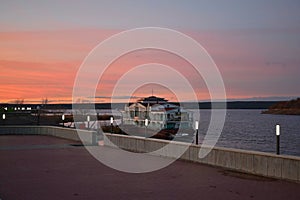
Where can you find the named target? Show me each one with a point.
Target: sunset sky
(254, 43)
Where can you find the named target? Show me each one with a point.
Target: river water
(251, 130)
(248, 130)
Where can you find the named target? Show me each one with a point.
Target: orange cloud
(40, 64)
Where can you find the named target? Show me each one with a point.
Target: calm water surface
(251, 130)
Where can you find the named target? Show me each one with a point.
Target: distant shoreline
(187, 105)
(285, 108)
(282, 111)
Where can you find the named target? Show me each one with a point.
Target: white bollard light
(146, 122)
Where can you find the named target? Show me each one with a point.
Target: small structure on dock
(160, 114)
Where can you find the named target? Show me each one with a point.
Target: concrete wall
(265, 164)
(87, 137)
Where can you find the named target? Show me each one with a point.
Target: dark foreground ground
(44, 167)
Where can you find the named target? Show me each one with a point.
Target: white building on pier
(160, 113)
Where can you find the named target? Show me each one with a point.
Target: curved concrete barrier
(258, 163)
(87, 137)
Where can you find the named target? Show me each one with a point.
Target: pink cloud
(44, 63)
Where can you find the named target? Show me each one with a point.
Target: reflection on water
(251, 130)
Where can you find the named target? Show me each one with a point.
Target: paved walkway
(44, 167)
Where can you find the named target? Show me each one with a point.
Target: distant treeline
(187, 105)
(232, 105)
(293, 104)
(285, 107)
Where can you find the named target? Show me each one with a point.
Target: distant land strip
(187, 105)
(291, 107)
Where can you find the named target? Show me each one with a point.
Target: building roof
(153, 100)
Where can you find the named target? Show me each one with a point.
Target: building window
(136, 111)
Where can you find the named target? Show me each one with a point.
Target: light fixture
(277, 139)
(277, 129)
(111, 124)
(196, 125)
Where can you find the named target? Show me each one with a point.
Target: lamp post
(88, 121)
(146, 125)
(63, 120)
(3, 117)
(38, 114)
(112, 124)
(277, 139)
(196, 127)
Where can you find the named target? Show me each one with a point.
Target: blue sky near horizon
(255, 44)
(176, 14)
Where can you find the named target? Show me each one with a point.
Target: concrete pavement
(45, 167)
